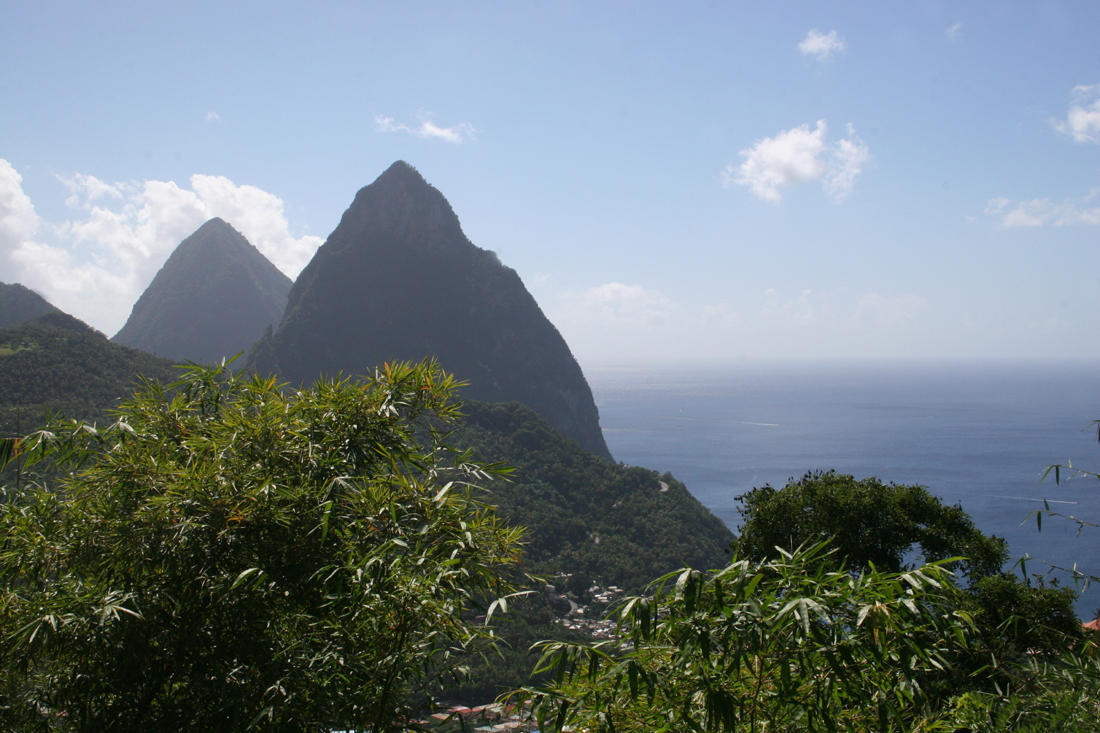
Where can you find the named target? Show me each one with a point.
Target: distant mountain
(19, 304)
(214, 297)
(398, 280)
(57, 363)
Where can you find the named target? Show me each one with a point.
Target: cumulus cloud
(18, 219)
(1082, 121)
(800, 155)
(96, 263)
(1044, 212)
(428, 130)
(822, 46)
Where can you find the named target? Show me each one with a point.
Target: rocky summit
(398, 280)
(213, 298)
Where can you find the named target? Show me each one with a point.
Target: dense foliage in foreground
(226, 555)
(796, 643)
(843, 633)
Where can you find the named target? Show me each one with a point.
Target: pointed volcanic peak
(214, 297)
(398, 280)
(19, 304)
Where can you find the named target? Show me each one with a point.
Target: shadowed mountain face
(19, 304)
(213, 298)
(398, 280)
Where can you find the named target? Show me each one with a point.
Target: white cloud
(212, 116)
(1082, 121)
(620, 304)
(84, 188)
(259, 216)
(800, 155)
(1044, 212)
(428, 130)
(952, 31)
(99, 261)
(821, 46)
(846, 161)
(18, 219)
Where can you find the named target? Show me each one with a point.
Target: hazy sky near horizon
(674, 183)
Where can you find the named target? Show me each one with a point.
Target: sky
(699, 182)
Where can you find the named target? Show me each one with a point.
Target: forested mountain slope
(19, 304)
(601, 521)
(57, 363)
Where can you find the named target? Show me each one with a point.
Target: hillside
(19, 304)
(398, 280)
(57, 363)
(213, 298)
(604, 522)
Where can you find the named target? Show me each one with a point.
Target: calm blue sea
(977, 435)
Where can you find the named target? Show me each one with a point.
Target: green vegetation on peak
(58, 364)
(19, 303)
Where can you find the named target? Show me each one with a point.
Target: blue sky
(704, 182)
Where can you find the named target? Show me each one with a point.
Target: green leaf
(245, 575)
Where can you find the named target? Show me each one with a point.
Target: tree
(229, 554)
(869, 523)
(796, 643)
(779, 644)
(1022, 619)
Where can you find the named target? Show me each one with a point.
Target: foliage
(56, 363)
(1022, 619)
(1061, 472)
(600, 521)
(1045, 695)
(589, 521)
(797, 643)
(788, 643)
(871, 524)
(228, 555)
(19, 304)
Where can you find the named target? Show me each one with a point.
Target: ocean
(980, 435)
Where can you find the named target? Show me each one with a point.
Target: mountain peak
(19, 303)
(398, 280)
(213, 297)
(400, 202)
(403, 169)
(214, 224)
